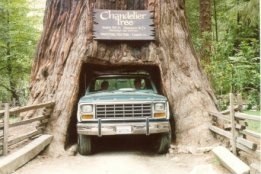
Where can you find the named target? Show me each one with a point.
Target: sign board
(123, 25)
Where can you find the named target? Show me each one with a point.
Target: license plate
(123, 129)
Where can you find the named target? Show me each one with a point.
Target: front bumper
(102, 128)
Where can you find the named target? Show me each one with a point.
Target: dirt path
(125, 155)
(130, 162)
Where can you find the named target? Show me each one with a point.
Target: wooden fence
(12, 103)
(5, 126)
(234, 127)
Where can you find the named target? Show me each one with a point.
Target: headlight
(159, 107)
(86, 108)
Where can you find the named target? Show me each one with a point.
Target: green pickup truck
(123, 104)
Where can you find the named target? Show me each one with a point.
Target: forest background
(225, 34)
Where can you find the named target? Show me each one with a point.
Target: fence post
(6, 127)
(240, 102)
(13, 102)
(233, 123)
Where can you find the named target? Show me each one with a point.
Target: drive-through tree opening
(88, 71)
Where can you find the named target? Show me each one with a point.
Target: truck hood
(116, 96)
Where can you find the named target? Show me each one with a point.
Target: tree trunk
(205, 29)
(205, 15)
(215, 19)
(67, 44)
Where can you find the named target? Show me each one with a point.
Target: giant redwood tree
(67, 50)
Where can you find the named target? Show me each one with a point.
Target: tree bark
(205, 15)
(67, 44)
(205, 29)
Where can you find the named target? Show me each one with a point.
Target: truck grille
(123, 110)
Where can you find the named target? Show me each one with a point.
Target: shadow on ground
(139, 143)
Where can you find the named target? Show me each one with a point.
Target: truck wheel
(164, 141)
(84, 144)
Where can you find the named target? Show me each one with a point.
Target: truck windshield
(117, 83)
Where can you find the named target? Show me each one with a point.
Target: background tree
(235, 54)
(18, 37)
(205, 15)
(67, 46)
(205, 9)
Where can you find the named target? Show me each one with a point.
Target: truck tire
(163, 143)
(84, 145)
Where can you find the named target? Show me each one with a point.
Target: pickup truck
(123, 104)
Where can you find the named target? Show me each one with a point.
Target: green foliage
(235, 54)
(18, 38)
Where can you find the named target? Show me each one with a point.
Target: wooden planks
(246, 143)
(47, 109)
(247, 116)
(220, 131)
(230, 161)
(24, 137)
(256, 154)
(239, 140)
(237, 125)
(233, 124)
(28, 121)
(27, 108)
(17, 159)
(220, 116)
(6, 127)
(251, 133)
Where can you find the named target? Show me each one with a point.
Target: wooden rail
(27, 108)
(40, 120)
(247, 117)
(252, 133)
(237, 131)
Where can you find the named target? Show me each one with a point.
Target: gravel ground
(124, 163)
(121, 156)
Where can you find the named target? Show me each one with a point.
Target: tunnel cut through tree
(90, 71)
(67, 45)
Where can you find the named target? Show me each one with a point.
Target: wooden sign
(123, 25)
